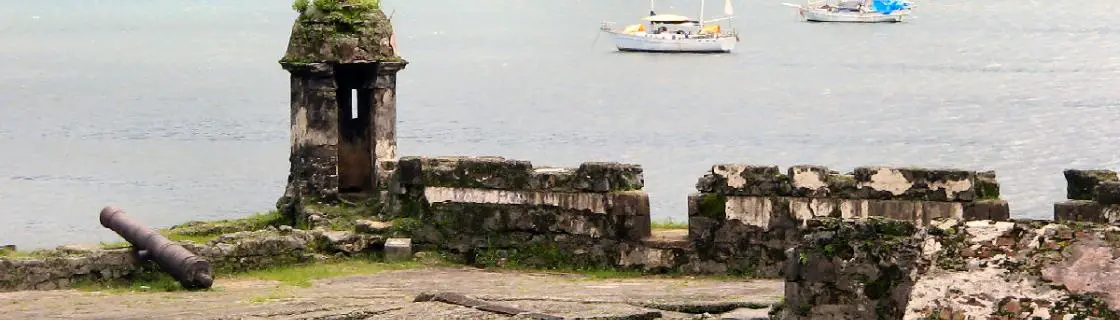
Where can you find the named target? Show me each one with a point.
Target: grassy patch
(668, 224)
(151, 281)
(24, 254)
(342, 216)
(301, 275)
(115, 245)
(204, 231)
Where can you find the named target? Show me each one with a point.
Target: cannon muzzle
(190, 270)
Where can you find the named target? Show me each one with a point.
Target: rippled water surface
(177, 110)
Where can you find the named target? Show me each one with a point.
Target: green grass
(115, 245)
(302, 275)
(203, 231)
(145, 282)
(668, 224)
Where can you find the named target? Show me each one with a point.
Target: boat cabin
(674, 24)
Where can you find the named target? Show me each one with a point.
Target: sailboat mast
(701, 14)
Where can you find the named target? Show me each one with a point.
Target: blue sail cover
(888, 6)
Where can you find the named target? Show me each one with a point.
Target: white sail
(727, 8)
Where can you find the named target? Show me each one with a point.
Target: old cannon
(190, 270)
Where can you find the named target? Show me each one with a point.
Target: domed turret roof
(340, 31)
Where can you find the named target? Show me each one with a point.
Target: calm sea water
(177, 110)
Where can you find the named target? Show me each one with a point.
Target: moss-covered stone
(1081, 184)
(338, 216)
(853, 270)
(713, 205)
(987, 188)
(214, 228)
(340, 31)
(745, 180)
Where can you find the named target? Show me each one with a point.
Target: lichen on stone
(340, 31)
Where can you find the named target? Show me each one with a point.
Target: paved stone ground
(390, 295)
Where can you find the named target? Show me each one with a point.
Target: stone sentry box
(501, 208)
(343, 102)
(745, 216)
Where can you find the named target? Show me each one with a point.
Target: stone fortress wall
(498, 211)
(741, 221)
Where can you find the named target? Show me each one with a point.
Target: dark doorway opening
(355, 106)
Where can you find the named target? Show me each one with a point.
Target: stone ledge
(1086, 211)
(763, 211)
(1081, 184)
(518, 175)
(872, 183)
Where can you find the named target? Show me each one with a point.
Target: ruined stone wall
(68, 265)
(499, 210)
(950, 269)
(1093, 196)
(745, 217)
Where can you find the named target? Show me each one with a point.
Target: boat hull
(851, 17)
(671, 43)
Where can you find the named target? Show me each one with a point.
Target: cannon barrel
(190, 270)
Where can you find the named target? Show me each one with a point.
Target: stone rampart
(500, 209)
(1093, 196)
(746, 216)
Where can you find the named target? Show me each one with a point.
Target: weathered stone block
(398, 249)
(609, 176)
(386, 172)
(701, 230)
(1081, 184)
(809, 181)
(593, 202)
(369, 226)
(933, 210)
(996, 210)
(555, 179)
(987, 188)
(745, 180)
(628, 203)
(1108, 192)
(1086, 211)
(855, 208)
(901, 210)
(916, 183)
(488, 219)
(465, 172)
(852, 270)
(709, 205)
(634, 228)
(753, 211)
(844, 186)
(809, 208)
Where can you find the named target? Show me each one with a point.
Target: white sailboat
(674, 33)
(863, 11)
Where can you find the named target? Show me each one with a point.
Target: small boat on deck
(858, 11)
(674, 33)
